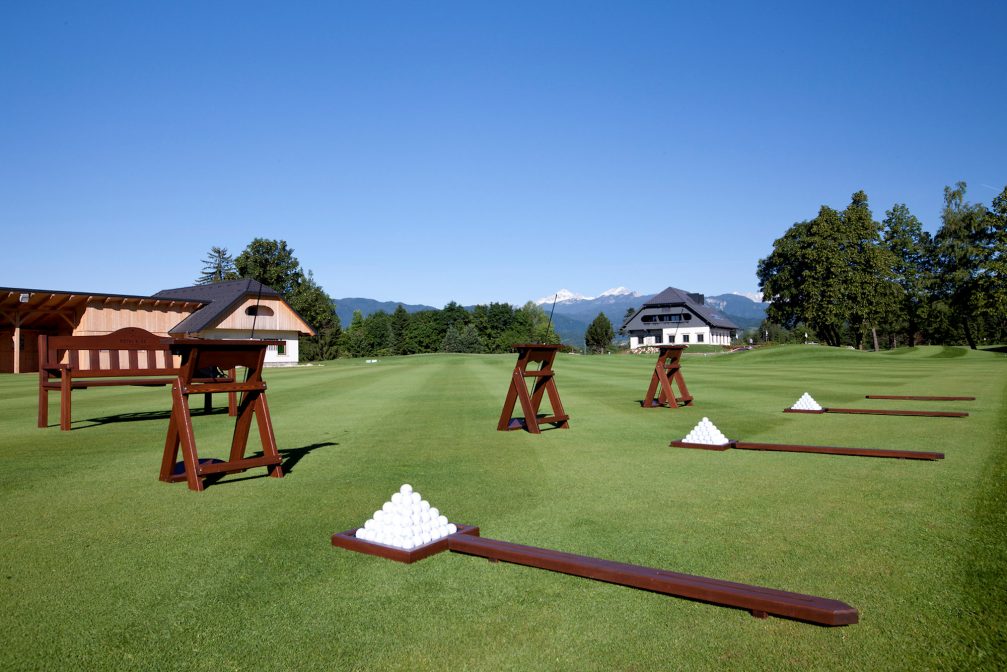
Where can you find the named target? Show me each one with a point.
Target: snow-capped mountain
(566, 296)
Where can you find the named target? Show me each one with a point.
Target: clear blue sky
(430, 151)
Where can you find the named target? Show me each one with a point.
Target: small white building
(242, 309)
(675, 317)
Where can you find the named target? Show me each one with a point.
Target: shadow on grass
(291, 456)
(135, 417)
(1002, 349)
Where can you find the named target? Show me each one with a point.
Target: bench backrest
(127, 352)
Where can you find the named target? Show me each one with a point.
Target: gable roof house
(233, 309)
(678, 317)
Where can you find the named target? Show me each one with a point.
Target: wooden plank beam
(759, 601)
(917, 397)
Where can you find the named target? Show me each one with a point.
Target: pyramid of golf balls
(706, 432)
(806, 403)
(406, 521)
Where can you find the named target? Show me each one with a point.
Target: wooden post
(668, 370)
(544, 384)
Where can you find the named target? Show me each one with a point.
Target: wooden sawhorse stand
(200, 353)
(544, 383)
(667, 371)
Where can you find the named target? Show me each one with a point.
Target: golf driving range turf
(106, 568)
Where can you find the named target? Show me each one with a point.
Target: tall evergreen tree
(218, 266)
(912, 248)
(966, 253)
(599, 334)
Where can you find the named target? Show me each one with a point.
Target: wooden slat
(835, 450)
(760, 601)
(237, 465)
(349, 541)
(917, 397)
(880, 411)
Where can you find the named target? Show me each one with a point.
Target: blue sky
(437, 151)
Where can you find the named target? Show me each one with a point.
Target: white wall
(273, 357)
(673, 336)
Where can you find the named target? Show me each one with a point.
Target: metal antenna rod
(549, 326)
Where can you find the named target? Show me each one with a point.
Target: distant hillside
(574, 312)
(742, 310)
(345, 308)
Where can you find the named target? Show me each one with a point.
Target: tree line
(844, 277)
(490, 328)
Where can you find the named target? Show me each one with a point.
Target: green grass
(106, 568)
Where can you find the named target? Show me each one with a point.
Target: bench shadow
(136, 417)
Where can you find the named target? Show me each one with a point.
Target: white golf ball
(424, 505)
(387, 507)
(406, 489)
(370, 524)
(452, 528)
(416, 498)
(442, 520)
(434, 512)
(397, 498)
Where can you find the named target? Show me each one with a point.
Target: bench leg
(208, 402)
(64, 403)
(43, 407)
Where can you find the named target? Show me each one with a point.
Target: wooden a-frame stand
(667, 371)
(530, 402)
(198, 353)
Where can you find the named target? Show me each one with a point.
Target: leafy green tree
(913, 251)
(538, 323)
(831, 273)
(871, 289)
(425, 332)
(462, 338)
(599, 334)
(273, 264)
(378, 334)
(218, 266)
(970, 249)
(316, 307)
(354, 339)
(400, 326)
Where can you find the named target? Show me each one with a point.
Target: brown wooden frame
(760, 602)
(883, 411)
(532, 353)
(913, 397)
(824, 450)
(668, 370)
(198, 354)
(55, 375)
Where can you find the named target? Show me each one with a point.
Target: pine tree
(599, 334)
(217, 267)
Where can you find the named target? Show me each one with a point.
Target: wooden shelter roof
(59, 309)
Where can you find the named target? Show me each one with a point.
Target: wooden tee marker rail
(825, 450)
(761, 602)
(668, 370)
(529, 354)
(917, 397)
(197, 354)
(882, 411)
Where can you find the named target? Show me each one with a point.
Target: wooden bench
(129, 356)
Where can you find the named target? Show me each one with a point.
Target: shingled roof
(220, 299)
(693, 303)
